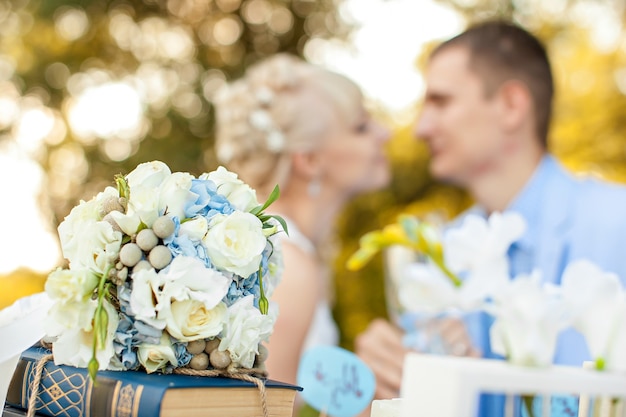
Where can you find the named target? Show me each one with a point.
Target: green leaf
(273, 197)
(282, 222)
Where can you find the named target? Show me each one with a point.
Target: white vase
(21, 326)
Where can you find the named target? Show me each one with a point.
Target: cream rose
(246, 327)
(235, 243)
(191, 320)
(240, 195)
(156, 357)
(66, 285)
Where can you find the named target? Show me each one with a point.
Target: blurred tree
(90, 88)
(18, 284)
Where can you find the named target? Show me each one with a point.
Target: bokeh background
(91, 88)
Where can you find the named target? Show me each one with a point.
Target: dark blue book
(67, 391)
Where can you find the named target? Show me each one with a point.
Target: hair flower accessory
(159, 269)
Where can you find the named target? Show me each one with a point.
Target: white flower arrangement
(467, 269)
(166, 271)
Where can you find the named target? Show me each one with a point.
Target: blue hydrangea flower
(182, 245)
(209, 202)
(130, 332)
(241, 287)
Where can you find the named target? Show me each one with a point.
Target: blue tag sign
(335, 381)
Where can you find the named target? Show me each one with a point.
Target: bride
(306, 129)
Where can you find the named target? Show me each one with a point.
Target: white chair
(446, 386)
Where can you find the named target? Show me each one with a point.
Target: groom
(485, 118)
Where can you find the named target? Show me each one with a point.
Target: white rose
(174, 194)
(71, 315)
(68, 285)
(145, 182)
(187, 278)
(195, 229)
(74, 345)
(236, 242)
(81, 218)
(145, 289)
(144, 203)
(240, 195)
(96, 248)
(191, 320)
(156, 357)
(148, 175)
(246, 327)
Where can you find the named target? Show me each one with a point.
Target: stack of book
(68, 392)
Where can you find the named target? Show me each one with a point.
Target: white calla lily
(528, 319)
(425, 289)
(596, 302)
(478, 242)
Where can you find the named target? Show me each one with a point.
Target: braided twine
(254, 375)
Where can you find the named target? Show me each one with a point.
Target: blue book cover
(66, 391)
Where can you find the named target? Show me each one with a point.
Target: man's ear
(306, 165)
(516, 105)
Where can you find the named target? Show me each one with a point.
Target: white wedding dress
(323, 330)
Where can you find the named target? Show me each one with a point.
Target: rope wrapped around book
(255, 376)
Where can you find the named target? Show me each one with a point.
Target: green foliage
(181, 50)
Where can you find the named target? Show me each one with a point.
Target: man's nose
(423, 126)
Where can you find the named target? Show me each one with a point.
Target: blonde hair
(265, 116)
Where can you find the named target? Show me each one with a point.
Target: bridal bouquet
(467, 269)
(166, 271)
